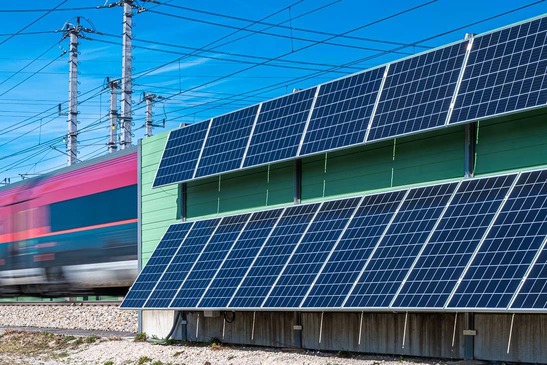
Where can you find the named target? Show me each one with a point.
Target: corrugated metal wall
(159, 207)
(512, 142)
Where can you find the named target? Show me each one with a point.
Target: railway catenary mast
(126, 100)
(72, 31)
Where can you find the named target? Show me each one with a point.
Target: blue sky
(205, 58)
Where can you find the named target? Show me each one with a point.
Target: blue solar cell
(239, 259)
(279, 128)
(399, 247)
(343, 267)
(181, 154)
(452, 244)
(181, 264)
(311, 253)
(209, 261)
(505, 72)
(342, 112)
(226, 142)
(533, 294)
(417, 92)
(509, 247)
(149, 276)
(273, 256)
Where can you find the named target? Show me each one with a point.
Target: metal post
(148, 99)
(183, 202)
(470, 145)
(297, 181)
(469, 337)
(112, 142)
(321, 327)
(253, 329)
(404, 330)
(126, 112)
(510, 333)
(72, 121)
(297, 330)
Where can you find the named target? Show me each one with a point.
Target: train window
(105, 207)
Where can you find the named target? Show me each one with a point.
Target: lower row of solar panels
(476, 244)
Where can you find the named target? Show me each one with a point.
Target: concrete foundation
(437, 335)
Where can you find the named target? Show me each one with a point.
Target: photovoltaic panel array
(182, 263)
(509, 247)
(191, 290)
(181, 154)
(417, 92)
(240, 259)
(279, 128)
(272, 258)
(477, 244)
(453, 242)
(311, 253)
(400, 245)
(342, 112)
(533, 293)
(352, 252)
(489, 75)
(505, 72)
(152, 272)
(226, 142)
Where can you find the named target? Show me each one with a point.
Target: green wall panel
(347, 171)
(159, 207)
(429, 157)
(513, 142)
(248, 189)
(202, 197)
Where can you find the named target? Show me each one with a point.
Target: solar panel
(273, 256)
(279, 128)
(149, 276)
(505, 72)
(455, 239)
(209, 261)
(181, 154)
(181, 264)
(417, 92)
(239, 259)
(397, 250)
(311, 253)
(344, 265)
(508, 249)
(533, 294)
(342, 112)
(226, 142)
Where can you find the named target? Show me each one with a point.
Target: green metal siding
(421, 158)
(512, 142)
(249, 189)
(159, 207)
(430, 156)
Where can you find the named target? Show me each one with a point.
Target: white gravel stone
(97, 318)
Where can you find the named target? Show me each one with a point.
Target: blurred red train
(71, 232)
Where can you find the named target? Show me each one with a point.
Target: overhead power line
(306, 47)
(47, 12)
(291, 28)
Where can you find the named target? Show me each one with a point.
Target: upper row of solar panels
(476, 244)
(485, 76)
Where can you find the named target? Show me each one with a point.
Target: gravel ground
(79, 348)
(99, 318)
